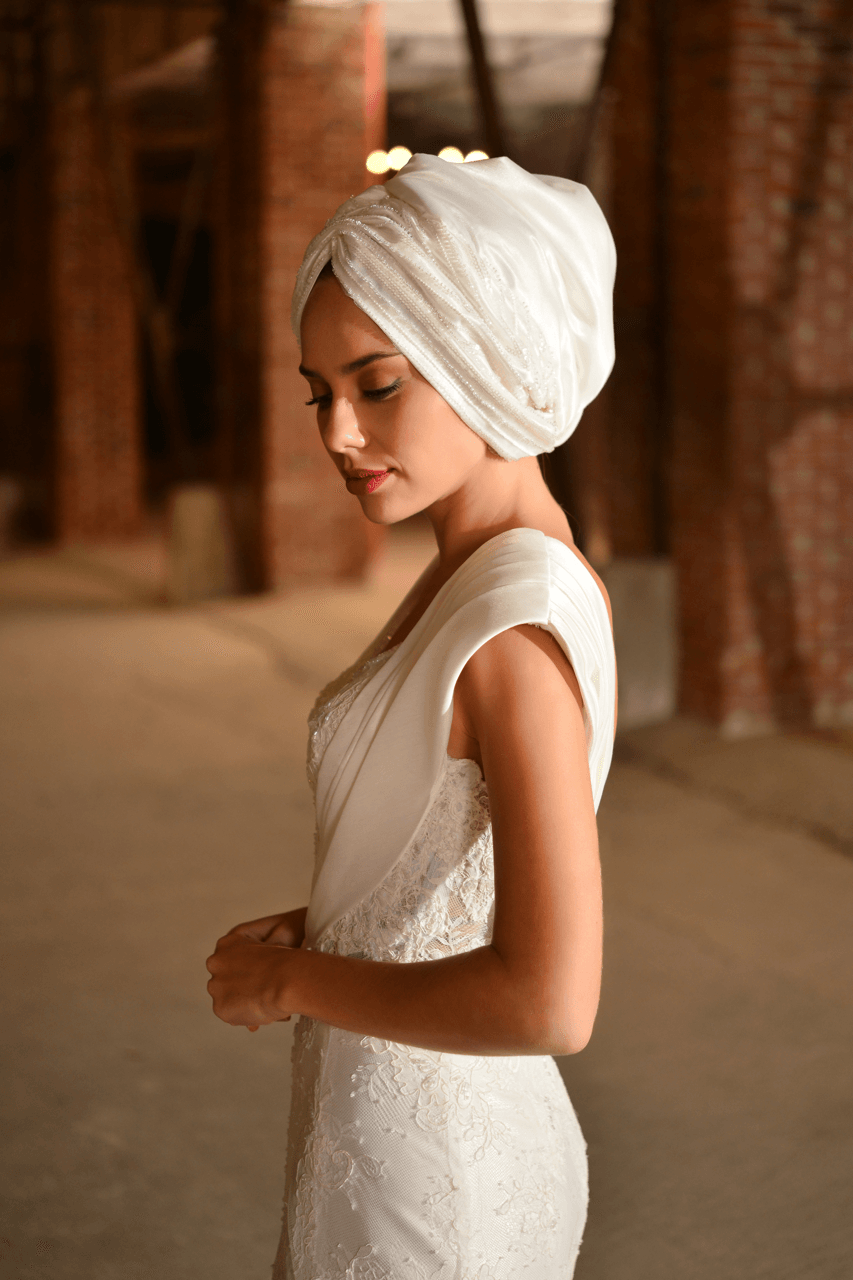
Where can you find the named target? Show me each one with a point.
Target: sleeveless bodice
(411, 1163)
(438, 900)
(383, 768)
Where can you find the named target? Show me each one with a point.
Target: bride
(454, 323)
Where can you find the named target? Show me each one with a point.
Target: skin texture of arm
(534, 989)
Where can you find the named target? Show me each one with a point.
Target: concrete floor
(153, 794)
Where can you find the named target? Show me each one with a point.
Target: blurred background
(180, 572)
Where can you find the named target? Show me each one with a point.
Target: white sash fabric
(383, 766)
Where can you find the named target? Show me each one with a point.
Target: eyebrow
(353, 366)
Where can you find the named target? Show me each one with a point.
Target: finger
(252, 1028)
(280, 936)
(262, 922)
(257, 929)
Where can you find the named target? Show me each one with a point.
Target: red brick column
(753, 145)
(304, 86)
(98, 466)
(633, 408)
(760, 268)
(791, 417)
(698, 339)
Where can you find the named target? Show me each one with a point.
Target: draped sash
(383, 766)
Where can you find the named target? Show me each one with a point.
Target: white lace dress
(407, 1163)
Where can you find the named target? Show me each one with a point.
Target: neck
(498, 495)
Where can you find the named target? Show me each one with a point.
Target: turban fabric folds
(495, 283)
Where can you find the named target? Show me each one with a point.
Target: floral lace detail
(437, 1090)
(410, 1164)
(438, 900)
(367, 1265)
(329, 1165)
(531, 1205)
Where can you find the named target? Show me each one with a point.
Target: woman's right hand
(284, 930)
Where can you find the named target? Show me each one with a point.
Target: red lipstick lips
(373, 479)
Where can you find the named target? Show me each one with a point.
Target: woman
(454, 323)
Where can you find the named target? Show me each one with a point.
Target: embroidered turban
(497, 285)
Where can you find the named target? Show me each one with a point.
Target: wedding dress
(410, 1164)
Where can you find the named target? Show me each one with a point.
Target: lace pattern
(405, 1163)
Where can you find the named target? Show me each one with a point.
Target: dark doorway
(193, 365)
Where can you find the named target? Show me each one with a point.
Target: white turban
(497, 285)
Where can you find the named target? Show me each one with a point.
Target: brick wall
(698, 337)
(25, 367)
(69, 393)
(633, 210)
(306, 98)
(791, 260)
(98, 463)
(755, 130)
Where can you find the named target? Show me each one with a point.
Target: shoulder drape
(381, 769)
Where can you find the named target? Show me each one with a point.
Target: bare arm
(534, 989)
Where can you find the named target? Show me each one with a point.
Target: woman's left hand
(247, 981)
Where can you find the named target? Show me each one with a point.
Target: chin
(385, 517)
(380, 509)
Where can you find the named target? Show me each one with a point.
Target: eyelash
(381, 393)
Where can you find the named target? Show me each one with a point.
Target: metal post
(481, 74)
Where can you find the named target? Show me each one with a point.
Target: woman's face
(397, 444)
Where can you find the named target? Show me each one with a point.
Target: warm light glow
(453, 154)
(476, 155)
(398, 156)
(378, 162)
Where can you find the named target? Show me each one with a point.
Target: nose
(341, 430)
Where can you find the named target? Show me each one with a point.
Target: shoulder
(518, 668)
(576, 575)
(542, 570)
(517, 651)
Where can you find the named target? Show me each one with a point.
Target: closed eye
(382, 393)
(377, 393)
